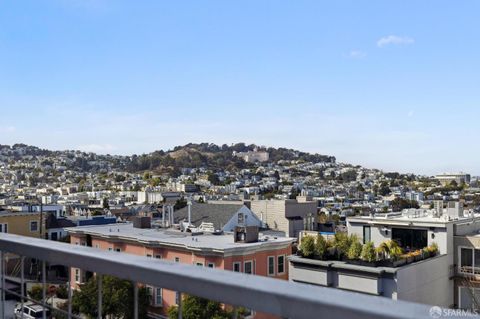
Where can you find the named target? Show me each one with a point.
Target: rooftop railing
(267, 295)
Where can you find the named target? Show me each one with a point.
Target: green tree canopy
(117, 295)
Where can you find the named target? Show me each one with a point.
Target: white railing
(277, 297)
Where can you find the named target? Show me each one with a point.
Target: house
(286, 216)
(244, 251)
(422, 280)
(20, 223)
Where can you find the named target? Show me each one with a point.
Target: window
(281, 264)
(78, 275)
(34, 226)
(367, 234)
(177, 297)
(97, 246)
(410, 239)
(158, 256)
(150, 295)
(177, 259)
(236, 267)
(158, 297)
(248, 269)
(54, 236)
(211, 265)
(149, 256)
(118, 250)
(199, 264)
(469, 260)
(468, 298)
(110, 249)
(4, 228)
(271, 265)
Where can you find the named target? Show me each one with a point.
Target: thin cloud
(7, 129)
(356, 54)
(394, 40)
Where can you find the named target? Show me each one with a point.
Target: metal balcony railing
(273, 296)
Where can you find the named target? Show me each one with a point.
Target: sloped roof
(218, 214)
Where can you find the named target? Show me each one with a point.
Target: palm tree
(389, 249)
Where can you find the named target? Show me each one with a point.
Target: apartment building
(286, 216)
(20, 223)
(430, 281)
(244, 251)
(459, 178)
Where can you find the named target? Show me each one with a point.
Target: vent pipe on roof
(189, 204)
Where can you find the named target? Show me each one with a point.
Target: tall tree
(117, 299)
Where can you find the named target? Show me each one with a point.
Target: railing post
(99, 299)
(135, 300)
(180, 315)
(44, 290)
(22, 282)
(70, 292)
(2, 273)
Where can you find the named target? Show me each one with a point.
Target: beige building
(20, 223)
(286, 216)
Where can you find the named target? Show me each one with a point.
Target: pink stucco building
(265, 257)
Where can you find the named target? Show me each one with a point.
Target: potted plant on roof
(307, 246)
(342, 244)
(355, 250)
(368, 254)
(433, 249)
(392, 251)
(321, 247)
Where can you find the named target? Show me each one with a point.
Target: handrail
(278, 297)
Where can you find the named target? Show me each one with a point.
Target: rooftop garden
(349, 248)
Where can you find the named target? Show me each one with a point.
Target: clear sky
(387, 84)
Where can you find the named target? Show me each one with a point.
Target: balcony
(266, 295)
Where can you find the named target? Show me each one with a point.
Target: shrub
(389, 249)
(433, 248)
(355, 250)
(62, 292)
(36, 292)
(368, 252)
(320, 247)
(307, 246)
(342, 243)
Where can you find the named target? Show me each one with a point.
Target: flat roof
(402, 219)
(177, 238)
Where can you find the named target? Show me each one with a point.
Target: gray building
(286, 216)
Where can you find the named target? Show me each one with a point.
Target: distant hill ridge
(191, 155)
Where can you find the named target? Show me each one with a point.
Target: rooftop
(414, 216)
(172, 237)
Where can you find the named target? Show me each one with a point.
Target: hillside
(191, 155)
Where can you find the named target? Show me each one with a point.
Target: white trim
(460, 259)
(158, 304)
(251, 266)
(3, 228)
(268, 266)
(239, 266)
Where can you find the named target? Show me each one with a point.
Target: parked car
(30, 311)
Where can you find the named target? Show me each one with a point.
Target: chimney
(248, 234)
(142, 222)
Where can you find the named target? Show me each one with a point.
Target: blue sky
(386, 84)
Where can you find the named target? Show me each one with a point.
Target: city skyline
(388, 86)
